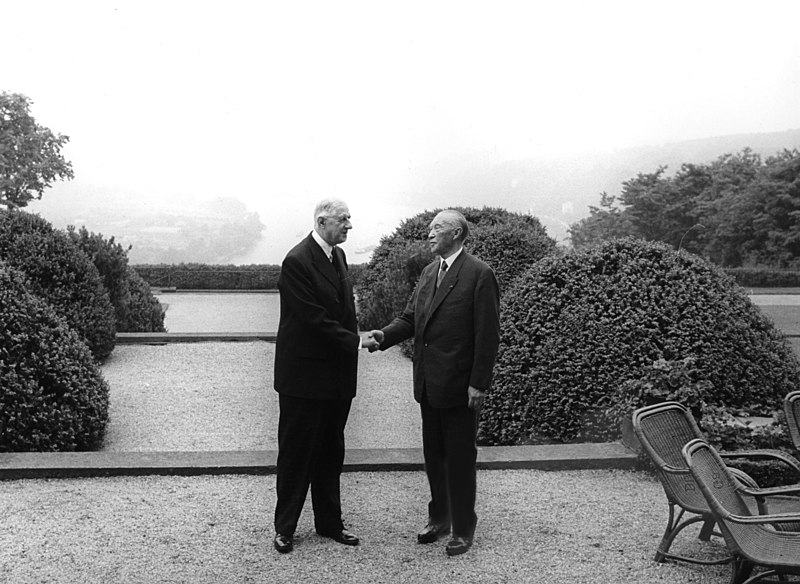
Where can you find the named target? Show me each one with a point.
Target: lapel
(323, 264)
(449, 282)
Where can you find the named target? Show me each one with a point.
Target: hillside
(560, 190)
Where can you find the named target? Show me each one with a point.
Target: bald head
(448, 231)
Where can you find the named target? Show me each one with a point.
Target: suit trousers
(310, 453)
(450, 453)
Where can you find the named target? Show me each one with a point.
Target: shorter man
(453, 317)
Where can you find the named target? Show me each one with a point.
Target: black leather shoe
(432, 532)
(458, 545)
(283, 543)
(343, 536)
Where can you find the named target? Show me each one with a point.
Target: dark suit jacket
(456, 332)
(316, 355)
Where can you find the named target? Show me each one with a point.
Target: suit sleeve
(486, 316)
(402, 327)
(297, 288)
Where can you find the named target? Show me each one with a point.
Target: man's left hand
(476, 398)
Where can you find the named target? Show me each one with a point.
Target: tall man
(453, 316)
(316, 360)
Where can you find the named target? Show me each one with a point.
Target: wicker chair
(791, 406)
(663, 430)
(755, 540)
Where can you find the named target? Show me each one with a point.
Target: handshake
(372, 341)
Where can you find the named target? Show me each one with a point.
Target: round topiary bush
(145, 313)
(62, 274)
(509, 242)
(592, 334)
(52, 394)
(135, 307)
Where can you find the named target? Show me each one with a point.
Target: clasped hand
(372, 341)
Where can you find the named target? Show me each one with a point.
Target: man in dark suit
(316, 360)
(453, 317)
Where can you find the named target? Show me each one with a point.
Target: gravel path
(534, 526)
(219, 396)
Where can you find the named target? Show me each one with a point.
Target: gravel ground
(534, 526)
(219, 396)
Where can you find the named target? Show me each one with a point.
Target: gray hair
(457, 219)
(328, 208)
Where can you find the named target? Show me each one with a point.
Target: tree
(30, 154)
(737, 210)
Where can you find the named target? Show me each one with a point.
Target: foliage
(111, 261)
(52, 394)
(61, 274)
(145, 313)
(597, 326)
(508, 242)
(738, 210)
(30, 154)
(210, 277)
(764, 277)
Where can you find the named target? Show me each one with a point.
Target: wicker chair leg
(707, 530)
(741, 570)
(676, 524)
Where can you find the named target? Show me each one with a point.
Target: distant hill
(559, 191)
(159, 231)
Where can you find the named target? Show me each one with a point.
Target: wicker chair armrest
(787, 459)
(668, 468)
(766, 519)
(773, 491)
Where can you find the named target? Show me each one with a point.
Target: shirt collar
(326, 247)
(451, 258)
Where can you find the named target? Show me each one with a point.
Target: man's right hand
(377, 337)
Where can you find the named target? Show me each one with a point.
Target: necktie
(336, 261)
(442, 272)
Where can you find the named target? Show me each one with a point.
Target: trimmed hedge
(210, 277)
(585, 335)
(61, 274)
(509, 242)
(145, 313)
(52, 394)
(765, 277)
(135, 307)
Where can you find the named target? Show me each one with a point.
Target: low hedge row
(764, 277)
(209, 276)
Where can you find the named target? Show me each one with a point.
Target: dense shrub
(62, 274)
(508, 242)
(52, 395)
(764, 277)
(210, 277)
(145, 313)
(586, 331)
(126, 289)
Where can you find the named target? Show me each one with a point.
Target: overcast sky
(282, 103)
